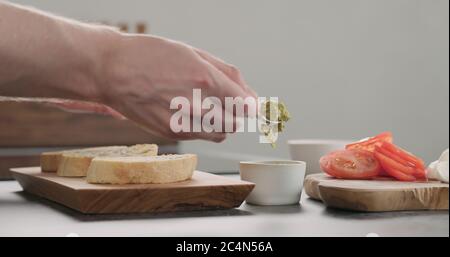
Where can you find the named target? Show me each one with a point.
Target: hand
(145, 73)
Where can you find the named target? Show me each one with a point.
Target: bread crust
(50, 161)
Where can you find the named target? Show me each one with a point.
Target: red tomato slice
(406, 156)
(401, 176)
(351, 164)
(421, 174)
(387, 161)
(396, 169)
(399, 163)
(369, 144)
(325, 163)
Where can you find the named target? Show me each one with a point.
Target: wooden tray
(377, 195)
(204, 192)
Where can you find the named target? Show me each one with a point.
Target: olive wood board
(204, 191)
(380, 195)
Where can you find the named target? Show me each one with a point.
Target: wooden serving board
(203, 192)
(377, 195)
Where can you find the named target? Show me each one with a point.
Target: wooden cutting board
(377, 195)
(203, 192)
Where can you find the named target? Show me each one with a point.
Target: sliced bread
(76, 164)
(142, 170)
(50, 160)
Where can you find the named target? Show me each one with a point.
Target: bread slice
(50, 160)
(142, 170)
(76, 164)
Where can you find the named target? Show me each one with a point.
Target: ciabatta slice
(142, 170)
(50, 160)
(76, 164)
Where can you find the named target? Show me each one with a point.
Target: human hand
(145, 73)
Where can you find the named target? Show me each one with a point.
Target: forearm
(46, 56)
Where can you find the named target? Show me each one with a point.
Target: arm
(48, 56)
(42, 55)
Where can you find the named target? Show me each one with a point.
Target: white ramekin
(276, 182)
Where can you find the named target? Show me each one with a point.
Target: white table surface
(25, 215)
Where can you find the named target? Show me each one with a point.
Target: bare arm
(46, 56)
(42, 55)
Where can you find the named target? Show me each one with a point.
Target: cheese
(439, 170)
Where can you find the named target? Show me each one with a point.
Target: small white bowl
(311, 150)
(276, 182)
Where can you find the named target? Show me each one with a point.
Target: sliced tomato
(370, 143)
(351, 164)
(398, 163)
(401, 176)
(325, 163)
(404, 155)
(389, 163)
(397, 169)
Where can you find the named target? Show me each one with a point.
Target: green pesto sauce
(276, 115)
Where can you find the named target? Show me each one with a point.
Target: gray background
(346, 69)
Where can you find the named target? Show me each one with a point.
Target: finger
(213, 136)
(215, 120)
(159, 125)
(227, 88)
(230, 71)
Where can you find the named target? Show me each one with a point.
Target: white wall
(346, 69)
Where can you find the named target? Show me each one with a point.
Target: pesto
(275, 116)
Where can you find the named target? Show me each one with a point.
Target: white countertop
(25, 215)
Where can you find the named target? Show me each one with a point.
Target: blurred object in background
(141, 28)
(138, 27)
(7, 162)
(123, 27)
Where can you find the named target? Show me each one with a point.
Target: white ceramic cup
(311, 150)
(276, 182)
